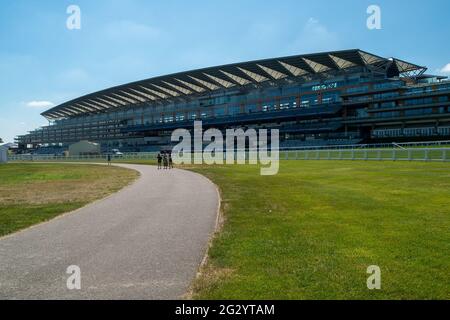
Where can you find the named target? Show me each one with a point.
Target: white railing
(430, 144)
(381, 154)
(366, 154)
(87, 158)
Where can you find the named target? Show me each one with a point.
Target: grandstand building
(341, 97)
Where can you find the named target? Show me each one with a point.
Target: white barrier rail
(93, 158)
(367, 154)
(401, 145)
(394, 154)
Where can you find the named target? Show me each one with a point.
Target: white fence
(401, 145)
(392, 154)
(93, 158)
(366, 154)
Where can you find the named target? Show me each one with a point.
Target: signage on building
(325, 86)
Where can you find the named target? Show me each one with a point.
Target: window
(358, 89)
(288, 103)
(362, 113)
(386, 95)
(204, 114)
(444, 131)
(251, 108)
(386, 85)
(308, 100)
(219, 111)
(179, 117)
(413, 102)
(291, 91)
(389, 114)
(284, 105)
(330, 97)
(234, 110)
(418, 111)
(269, 107)
(389, 104)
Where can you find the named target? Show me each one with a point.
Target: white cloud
(446, 69)
(40, 104)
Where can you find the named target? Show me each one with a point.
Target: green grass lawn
(32, 193)
(311, 231)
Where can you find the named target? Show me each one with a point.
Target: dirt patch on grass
(33, 193)
(210, 278)
(92, 182)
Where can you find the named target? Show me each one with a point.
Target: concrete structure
(3, 154)
(83, 148)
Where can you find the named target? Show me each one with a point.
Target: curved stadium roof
(203, 81)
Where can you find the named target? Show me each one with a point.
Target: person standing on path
(166, 163)
(159, 157)
(109, 159)
(170, 161)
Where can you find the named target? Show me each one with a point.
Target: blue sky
(43, 63)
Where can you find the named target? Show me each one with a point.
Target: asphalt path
(144, 242)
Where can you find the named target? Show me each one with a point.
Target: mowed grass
(311, 231)
(33, 193)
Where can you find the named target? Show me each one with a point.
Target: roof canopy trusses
(203, 81)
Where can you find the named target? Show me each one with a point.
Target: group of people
(164, 160)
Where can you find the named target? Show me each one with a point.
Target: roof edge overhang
(186, 84)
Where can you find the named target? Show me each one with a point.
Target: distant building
(3, 154)
(11, 146)
(340, 97)
(84, 148)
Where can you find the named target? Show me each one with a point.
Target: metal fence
(366, 154)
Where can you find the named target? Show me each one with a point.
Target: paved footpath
(144, 242)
